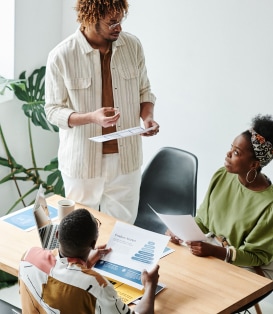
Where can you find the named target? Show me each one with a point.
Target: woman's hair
(91, 11)
(263, 125)
(78, 230)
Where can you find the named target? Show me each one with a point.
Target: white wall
(210, 65)
(7, 36)
(209, 62)
(37, 30)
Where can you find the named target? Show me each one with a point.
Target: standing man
(96, 83)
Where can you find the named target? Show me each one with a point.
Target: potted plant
(30, 90)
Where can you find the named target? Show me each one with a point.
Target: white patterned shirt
(73, 84)
(50, 284)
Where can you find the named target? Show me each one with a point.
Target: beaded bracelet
(233, 253)
(227, 259)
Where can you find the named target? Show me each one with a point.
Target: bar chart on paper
(133, 249)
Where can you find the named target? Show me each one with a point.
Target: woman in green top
(238, 207)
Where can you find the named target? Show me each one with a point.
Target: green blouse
(242, 216)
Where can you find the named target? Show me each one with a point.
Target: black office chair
(7, 308)
(169, 185)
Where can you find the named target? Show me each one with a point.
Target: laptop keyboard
(51, 241)
(54, 243)
(42, 232)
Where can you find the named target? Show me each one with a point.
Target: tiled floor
(266, 307)
(12, 296)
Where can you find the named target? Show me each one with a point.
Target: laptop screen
(43, 222)
(40, 209)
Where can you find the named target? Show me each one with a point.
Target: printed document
(129, 294)
(24, 218)
(120, 134)
(183, 226)
(133, 250)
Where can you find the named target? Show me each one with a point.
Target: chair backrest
(169, 185)
(7, 308)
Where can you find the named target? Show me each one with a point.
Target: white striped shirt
(73, 84)
(50, 284)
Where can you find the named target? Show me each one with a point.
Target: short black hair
(78, 230)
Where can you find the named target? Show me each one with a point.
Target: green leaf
(53, 165)
(6, 84)
(55, 178)
(11, 163)
(31, 91)
(4, 162)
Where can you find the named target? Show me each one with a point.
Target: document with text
(133, 250)
(183, 226)
(24, 218)
(119, 134)
(129, 294)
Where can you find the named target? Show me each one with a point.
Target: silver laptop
(46, 229)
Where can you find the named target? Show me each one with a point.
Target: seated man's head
(77, 234)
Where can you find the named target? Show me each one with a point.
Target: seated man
(62, 281)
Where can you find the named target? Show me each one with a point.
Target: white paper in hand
(183, 226)
(119, 134)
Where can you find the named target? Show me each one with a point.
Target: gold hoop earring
(247, 180)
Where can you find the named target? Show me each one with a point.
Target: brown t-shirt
(108, 147)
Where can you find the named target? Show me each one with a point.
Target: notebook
(46, 229)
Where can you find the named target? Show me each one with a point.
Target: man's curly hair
(91, 11)
(77, 231)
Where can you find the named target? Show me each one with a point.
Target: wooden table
(193, 284)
